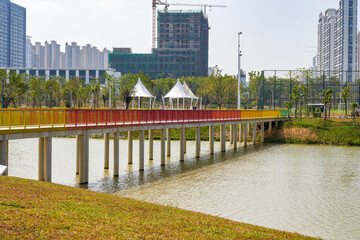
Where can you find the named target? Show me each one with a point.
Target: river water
(312, 190)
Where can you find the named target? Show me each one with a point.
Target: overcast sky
(277, 34)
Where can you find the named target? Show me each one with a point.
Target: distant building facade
(337, 42)
(49, 56)
(12, 34)
(182, 48)
(87, 75)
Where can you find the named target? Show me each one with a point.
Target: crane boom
(166, 4)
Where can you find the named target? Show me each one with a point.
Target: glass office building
(182, 48)
(12, 35)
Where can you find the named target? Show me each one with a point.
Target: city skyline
(283, 29)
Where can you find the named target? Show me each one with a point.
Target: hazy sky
(276, 33)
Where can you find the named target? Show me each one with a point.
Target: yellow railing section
(256, 114)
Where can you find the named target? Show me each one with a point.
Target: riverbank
(33, 209)
(336, 131)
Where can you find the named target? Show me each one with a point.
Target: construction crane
(155, 3)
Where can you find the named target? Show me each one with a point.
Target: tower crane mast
(155, 3)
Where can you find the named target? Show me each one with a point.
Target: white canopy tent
(178, 92)
(188, 90)
(141, 91)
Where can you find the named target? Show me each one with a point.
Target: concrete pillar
(41, 175)
(249, 130)
(270, 127)
(77, 154)
(262, 132)
(254, 133)
(47, 158)
(4, 154)
(116, 154)
(163, 146)
(151, 144)
(141, 150)
(197, 142)
(231, 134)
(168, 142)
(84, 159)
(182, 141)
(245, 134)
(130, 147)
(223, 138)
(106, 150)
(276, 124)
(235, 136)
(211, 140)
(241, 128)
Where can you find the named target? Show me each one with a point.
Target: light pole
(239, 71)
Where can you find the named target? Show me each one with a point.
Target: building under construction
(182, 48)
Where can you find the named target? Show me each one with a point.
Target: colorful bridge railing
(37, 118)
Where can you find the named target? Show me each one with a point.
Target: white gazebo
(188, 90)
(140, 91)
(178, 92)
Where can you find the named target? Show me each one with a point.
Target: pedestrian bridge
(82, 123)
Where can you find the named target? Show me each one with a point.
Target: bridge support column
(116, 154)
(163, 146)
(168, 142)
(130, 147)
(185, 133)
(249, 130)
(4, 151)
(78, 144)
(182, 141)
(254, 133)
(262, 132)
(84, 158)
(270, 127)
(106, 150)
(41, 175)
(223, 138)
(276, 124)
(151, 145)
(47, 158)
(235, 136)
(211, 140)
(231, 134)
(141, 150)
(246, 134)
(198, 142)
(241, 128)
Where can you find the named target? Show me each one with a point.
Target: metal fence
(275, 87)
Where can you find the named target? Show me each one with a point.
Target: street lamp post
(239, 71)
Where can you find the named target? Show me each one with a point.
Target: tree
(95, 90)
(12, 87)
(71, 92)
(217, 87)
(52, 92)
(305, 94)
(254, 86)
(354, 113)
(36, 92)
(295, 95)
(327, 94)
(345, 94)
(289, 106)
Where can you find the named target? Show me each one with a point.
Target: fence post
(9, 117)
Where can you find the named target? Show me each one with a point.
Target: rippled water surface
(312, 190)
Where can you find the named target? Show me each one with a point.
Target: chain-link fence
(275, 87)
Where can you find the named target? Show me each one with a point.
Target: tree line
(217, 91)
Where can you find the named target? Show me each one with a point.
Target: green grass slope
(37, 210)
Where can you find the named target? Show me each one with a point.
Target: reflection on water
(313, 190)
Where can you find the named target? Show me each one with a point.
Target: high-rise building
(337, 42)
(73, 55)
(182, 48)
(29, 52)
(12, 34)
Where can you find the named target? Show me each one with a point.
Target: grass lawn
(336, 131)
(38, 210)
